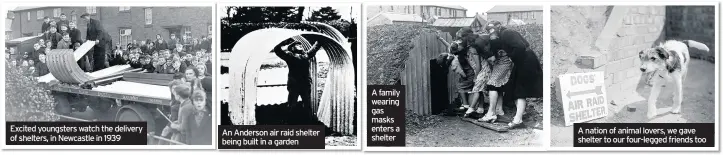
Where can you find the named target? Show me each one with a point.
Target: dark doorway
(438, 87)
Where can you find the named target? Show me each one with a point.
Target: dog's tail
(696, 45)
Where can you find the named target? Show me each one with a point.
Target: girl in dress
(474, 71)
(499, 75)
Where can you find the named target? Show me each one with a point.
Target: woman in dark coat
(526, 78)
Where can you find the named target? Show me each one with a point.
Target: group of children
(188, 59)
(191, 88)
(32, 67)
(190, 118)
(60, 34)
(163, 61)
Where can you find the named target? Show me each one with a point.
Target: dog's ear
(673, 62)
(662, 53)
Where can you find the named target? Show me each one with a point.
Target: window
(40, 14)
(125, 36)
(391, 8)
(149, 16)
(210, 29)
(28, 16)
(90, 9)
(74, 19)
(533, 15)
(57, 12)
(124, 8)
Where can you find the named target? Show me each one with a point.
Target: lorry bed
(101, 73)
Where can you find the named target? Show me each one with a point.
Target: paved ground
(451, 131)
(698, 105)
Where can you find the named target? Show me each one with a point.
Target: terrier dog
(668, 62)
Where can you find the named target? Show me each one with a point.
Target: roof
(18, 40)
(8, 24)
(451, 6)
(400, 17)
(454, 22)
(508, 8)
(22, 8)
(481, 17)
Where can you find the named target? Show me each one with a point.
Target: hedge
(388, 48)
(25, 98)
(533, 34)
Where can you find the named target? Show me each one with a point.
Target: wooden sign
(583, 97)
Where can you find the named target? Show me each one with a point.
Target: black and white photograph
(647, 65)
(289, 66)
(113, 64)
(472, 72)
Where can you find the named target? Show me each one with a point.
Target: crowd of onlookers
(162, 58)
(188, 59)
(157, 56)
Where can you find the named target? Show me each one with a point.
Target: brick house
(425, 11)
(124, 23)
(504, 14)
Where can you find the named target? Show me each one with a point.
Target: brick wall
(21, 25)
(628, 30)
(198, 18)
(692, 23)
(641, 28)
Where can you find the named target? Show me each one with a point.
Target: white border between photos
(717, 81)
(107, 147)
(543, 138)
(360, 102)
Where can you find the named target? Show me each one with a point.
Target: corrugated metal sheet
(336, 110)
(131, 88)
(416, 74)
(271, 95)
(515, 8)
(454, 22)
